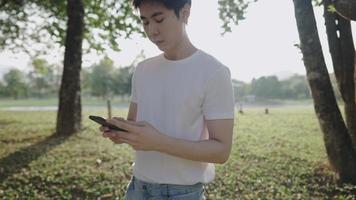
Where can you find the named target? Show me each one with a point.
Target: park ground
(279, 155)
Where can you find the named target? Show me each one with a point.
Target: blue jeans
(140, 190)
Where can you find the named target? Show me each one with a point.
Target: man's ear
(185, 13)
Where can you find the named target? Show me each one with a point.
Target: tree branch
(346, 8)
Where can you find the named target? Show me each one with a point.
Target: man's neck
(181, 51)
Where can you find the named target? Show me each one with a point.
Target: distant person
(241, 110)
(181, 115)
(266, 111)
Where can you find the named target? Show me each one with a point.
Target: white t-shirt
(176, 97)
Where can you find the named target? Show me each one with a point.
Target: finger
(104, 129)
(117, 140)
(119, 118)
(106, 134)
(126, 136)
(110, 133)
(140, 123)
(130, 127)
(112, 136)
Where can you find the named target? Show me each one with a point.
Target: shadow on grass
(324, 181)
(20, 159)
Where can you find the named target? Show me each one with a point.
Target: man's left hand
(141, 136)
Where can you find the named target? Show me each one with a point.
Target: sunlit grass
(276, 156)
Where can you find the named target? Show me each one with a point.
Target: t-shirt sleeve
(133, 87)
(219, 98)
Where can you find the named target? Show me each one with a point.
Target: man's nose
(153, 30)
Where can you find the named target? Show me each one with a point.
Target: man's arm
(215, 150)
(142, 136)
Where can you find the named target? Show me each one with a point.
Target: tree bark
(346, 8)
(337, 141)
(69, 111)
(342, 52)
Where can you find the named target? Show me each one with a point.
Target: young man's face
(162, 26)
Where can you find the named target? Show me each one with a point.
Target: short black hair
(175, 5)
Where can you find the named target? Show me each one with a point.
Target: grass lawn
(275, 156)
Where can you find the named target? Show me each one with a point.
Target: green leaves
(105, 22)
(232, 12)
(331, 8)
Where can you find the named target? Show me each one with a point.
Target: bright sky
(261, 45)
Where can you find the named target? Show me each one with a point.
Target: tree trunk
(69, 111)
(337, 141)
(342, 52)
(346, 8)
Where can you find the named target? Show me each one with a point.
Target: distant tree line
(102, 80)
(42, 81)
(269, 87)
(106, 81)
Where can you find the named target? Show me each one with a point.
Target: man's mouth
(159, 42)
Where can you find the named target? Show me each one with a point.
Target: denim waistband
(164, 189)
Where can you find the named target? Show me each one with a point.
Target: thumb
(119, 118)
(139, 123)
(142, 123)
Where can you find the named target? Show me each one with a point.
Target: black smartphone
(103, 122)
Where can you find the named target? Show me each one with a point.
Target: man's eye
(145, 23)
(159, 20)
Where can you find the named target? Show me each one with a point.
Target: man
(181, 115)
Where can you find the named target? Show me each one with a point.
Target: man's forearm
(211, 151)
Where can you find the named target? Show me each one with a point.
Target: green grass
(27, 102)
(275, 156)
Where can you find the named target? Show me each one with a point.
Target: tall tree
(342, 52)
(69, 111)
(337, 141)
(337, 136)
(71, 23)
